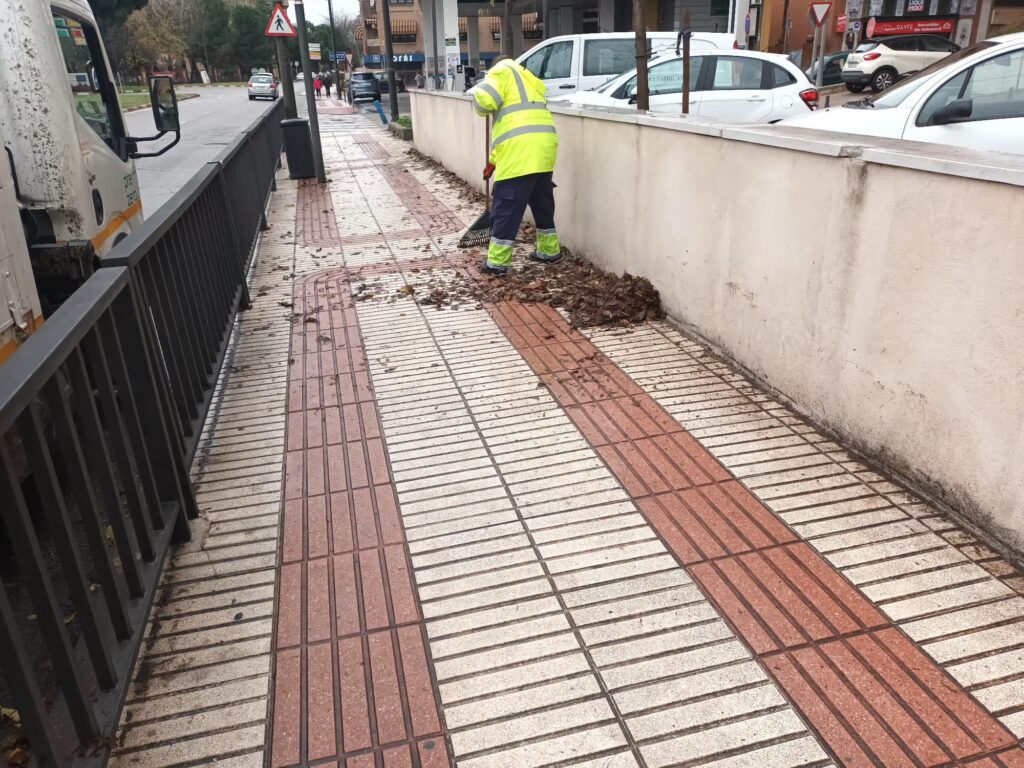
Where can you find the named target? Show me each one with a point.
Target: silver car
(262, 86)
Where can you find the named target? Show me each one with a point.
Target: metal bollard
(380, 111)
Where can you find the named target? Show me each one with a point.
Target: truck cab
(69, 155)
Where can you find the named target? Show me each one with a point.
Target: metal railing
(189, 263)
(100, 413)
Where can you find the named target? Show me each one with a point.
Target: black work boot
(493, 269)
(543, 258)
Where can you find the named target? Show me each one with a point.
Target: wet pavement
(469, 533)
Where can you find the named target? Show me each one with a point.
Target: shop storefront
(881, 18)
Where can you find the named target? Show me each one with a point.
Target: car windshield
(363, 76)
(894, 96)
(262, 79)
(865, 47)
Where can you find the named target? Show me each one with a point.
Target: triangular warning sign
(819, 11)
(279, 25)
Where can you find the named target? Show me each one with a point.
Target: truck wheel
(882, 79)
(855, 87)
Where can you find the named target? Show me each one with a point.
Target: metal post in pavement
(686, 33)
(307, 79)
(287, 85)
(819, 80)
(389, 59)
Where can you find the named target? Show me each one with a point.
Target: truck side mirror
(165, 115)
(165, 104)
(632, 95)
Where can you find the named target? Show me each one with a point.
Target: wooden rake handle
(487, 159)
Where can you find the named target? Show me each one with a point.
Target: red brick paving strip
(435, 218)
(314, 222)
(872, 696)
(353, 679)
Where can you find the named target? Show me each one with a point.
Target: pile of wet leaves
(589, 295)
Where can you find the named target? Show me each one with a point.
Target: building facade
(409, 39)
(480, 25)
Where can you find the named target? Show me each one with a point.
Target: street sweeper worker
(524, 146)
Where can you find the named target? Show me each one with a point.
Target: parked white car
(573, 63)
(884, 61)
(974, 98)
(727, 86)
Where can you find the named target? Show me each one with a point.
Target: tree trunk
(506, 29)
(640, 30)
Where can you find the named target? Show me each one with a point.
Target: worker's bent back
(523, 139)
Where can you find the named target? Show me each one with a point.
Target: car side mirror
(632, 95)
(165, 104)
(953, 112)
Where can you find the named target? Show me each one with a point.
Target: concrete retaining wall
(877, 287)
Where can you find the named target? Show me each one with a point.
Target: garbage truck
(68, 188)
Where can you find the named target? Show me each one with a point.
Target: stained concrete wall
(877, 287)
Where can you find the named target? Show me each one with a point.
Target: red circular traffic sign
(869, 30)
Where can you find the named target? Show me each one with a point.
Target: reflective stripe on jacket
(523, 137)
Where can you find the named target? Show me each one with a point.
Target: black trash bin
(299, 147)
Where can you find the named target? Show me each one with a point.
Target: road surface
(208, 124)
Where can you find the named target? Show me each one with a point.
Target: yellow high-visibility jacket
(523, 137)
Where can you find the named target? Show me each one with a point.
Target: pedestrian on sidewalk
(524, 147)
(327, 84)
(317, 84)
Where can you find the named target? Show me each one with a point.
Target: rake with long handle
(479, 232)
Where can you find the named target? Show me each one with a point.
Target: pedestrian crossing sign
(279, 25)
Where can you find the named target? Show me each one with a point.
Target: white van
(571, 63)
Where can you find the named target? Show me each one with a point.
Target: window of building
(89, 79)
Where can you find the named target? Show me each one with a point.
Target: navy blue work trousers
(511, 196)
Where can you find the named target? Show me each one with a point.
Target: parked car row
(730, 86)
(928, 88)
(973, 98)
(582, 62)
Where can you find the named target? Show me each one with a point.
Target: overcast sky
(316, 10)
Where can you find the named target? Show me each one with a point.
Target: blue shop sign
(377, 59)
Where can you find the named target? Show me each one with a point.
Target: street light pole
(307, 79)
(433, 40)
(334, 47)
